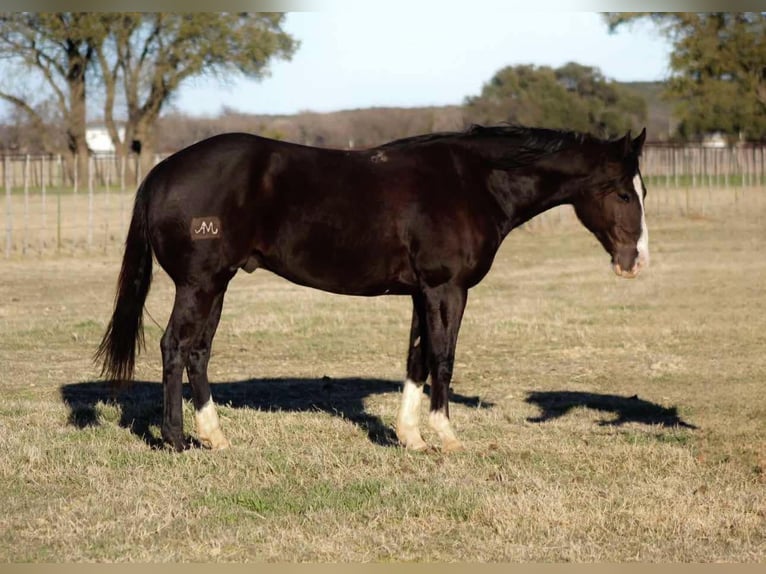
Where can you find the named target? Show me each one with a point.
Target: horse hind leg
(407, 421)
(187, 325)
(206, 417)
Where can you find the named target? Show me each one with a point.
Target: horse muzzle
(639, 263)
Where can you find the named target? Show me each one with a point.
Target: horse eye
(625, 197)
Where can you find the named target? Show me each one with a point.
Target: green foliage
(718, 65)
(168, 48)
(142, 56)
(149, 55)
(570, 97)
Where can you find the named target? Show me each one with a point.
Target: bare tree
(58, 48)
(149, 56)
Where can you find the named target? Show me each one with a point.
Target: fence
(696, 165)
(50, 206)
(46, 213)
(50, 171)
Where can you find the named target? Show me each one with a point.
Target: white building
(98, 140)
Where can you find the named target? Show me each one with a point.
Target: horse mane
(542, 140)
(521, 144)
(511, 146)
(420, 139)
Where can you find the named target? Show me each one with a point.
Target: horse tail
(125, 332)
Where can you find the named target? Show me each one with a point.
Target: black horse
(420, 216)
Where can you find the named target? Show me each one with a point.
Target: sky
(428, 54)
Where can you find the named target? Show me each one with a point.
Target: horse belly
(350, 264)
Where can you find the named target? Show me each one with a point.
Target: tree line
(128, 64)
(572, 97)
(124, 68)
(718, 69)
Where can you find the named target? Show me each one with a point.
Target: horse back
(356, 222)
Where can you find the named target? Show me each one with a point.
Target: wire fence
(48, 211)
(49, 206)
(696, 165)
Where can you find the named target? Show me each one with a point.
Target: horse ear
(638, 143)
(626, 145)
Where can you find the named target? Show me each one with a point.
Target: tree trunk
(76, 116)
(144, 134)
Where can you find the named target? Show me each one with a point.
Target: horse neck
(524, 191)
(523, 194)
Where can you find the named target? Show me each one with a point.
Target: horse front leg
(444, 306)
(408, 419)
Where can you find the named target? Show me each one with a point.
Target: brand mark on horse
(205, 228)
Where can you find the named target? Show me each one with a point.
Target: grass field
(604, 419)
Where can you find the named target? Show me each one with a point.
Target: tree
(38, 134)
(149, 55)
(135, 62)
(59, 49)
(718, 66)
(570, 97)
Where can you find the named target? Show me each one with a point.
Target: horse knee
(173, 352)
(198, 359)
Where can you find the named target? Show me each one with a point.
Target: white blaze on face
(643, 241)
(209, 428)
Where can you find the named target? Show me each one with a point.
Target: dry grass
(651, 447)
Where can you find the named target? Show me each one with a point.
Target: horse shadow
(140, 402)
(555, 404)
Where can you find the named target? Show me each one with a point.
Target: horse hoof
(417, 446)
(216, 442)
(221, 445)
(178, 445)
(410, 439)
(452, 446)
(175, 440)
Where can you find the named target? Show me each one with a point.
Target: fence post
(44, 218)
(715, 166)
(60, 164)
(90, 203)
(740, 168)
(108, 179)
(693, 165)
(58, 218)
(122, 193)
(25, 234)
(8, 209)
